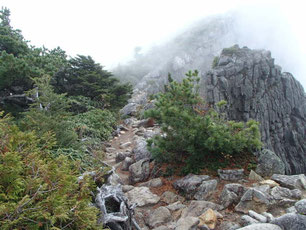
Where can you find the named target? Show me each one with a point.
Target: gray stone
(259, 217)
(255, 88)
(198, 207)
(169, 197)
(156, 182)
(206, 189)
(247, 220)
(279, 193)
(121, 156)
(125, 145)
(291, 221)
(128, 161)
(187, 223)
(231, 174)
(203, 227)
(253, 176)
(159, 216)
(269, 163)
(142, 196)
(300, 207)
(139, 171)
(261, 227)
(292, 182)
(291, 209)
(189, 184)
(161, 228)
(130, 109)
(140, 150)
(126, 188)
(231, 194)
(268, 215)
(176, 206)
(228, 225)
(253, 199)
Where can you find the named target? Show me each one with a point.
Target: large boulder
(291, 221)
(142, 196)
(261, 227)
(269, 163)
(190, 184)
(231, 194)
(139, 171)
(140, 150)
(255, 88)
(291, 182)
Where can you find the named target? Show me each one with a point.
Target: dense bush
(38, 191)
(193, 132)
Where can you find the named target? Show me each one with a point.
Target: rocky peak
(255, 88)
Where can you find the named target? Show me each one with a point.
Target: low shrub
(194, 133)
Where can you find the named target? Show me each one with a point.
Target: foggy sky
(110, 30)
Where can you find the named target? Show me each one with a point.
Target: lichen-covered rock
(159, 216)
(142, 196)
(269, 163)
(231, 194)
(139, 171)
(291, 221)
(231, 174)
(140, 150)
(300, 207)
(205, 190)
(189, 184)
(279, 193)
(208, 218)
(253, 199)
(261, 227)
(255, 88)
(291, 182)
(198, 207)
(187, 223)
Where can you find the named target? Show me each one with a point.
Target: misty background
(134, 38)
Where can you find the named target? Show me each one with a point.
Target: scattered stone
(231, 194)
(140, 150)
(159, 216)
(142, 196)
(128, 161)
(121, 156)
(231, 174)
(161, 228)
(269, 163)
(291, 182)
(110, 150)
(205, 190)
(256, 216)
(269, 182)
(156, 182)
(261, 227)
(253, 199)
(203, 227)
(263, 188)
(126, 188)
(189, 184)
(300, 207)
(139, 171)
(198, 207)
(291, 209)
(187, 223)
(280, 193)
(208, 218)
(253, 176)
(122, 132)
(269, 216)
(125, 145)
(176, 206)
(169, 197)
(130, 109)
(246, 220)
(228, 225)
(291, 221)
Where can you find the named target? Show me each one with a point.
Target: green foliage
(194, 132)
(231, 50)
(95, 123)
(49, 114)
(82, 76)
(38, 191)
(215, 61)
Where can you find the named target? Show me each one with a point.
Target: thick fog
(251, 25)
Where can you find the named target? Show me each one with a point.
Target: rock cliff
(256, 88)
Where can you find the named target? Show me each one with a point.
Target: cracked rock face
(255, 88)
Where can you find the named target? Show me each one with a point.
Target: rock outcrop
(255, 88)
